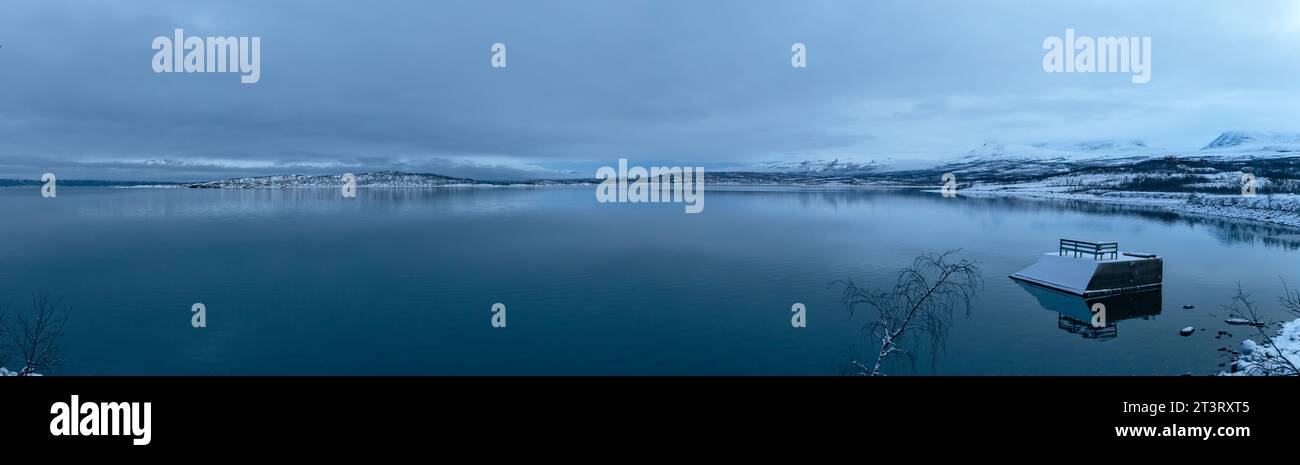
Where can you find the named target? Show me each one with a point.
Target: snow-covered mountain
(1232, 144)
(1258, 143)
(995, 161)
(833, 167)
(1098, 150)
(376, 179)
(1009, 159)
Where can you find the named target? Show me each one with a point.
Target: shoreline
(1258, 359)
(1278, 210)
(1220, 206)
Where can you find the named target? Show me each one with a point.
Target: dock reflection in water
(1075, 314)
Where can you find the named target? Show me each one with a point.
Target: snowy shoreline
(6, 372)
(1259, 360)
(1283, 210)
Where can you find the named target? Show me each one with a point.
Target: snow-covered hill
(834, 167)
(376, 179)
(1019, 160)
(1253, 143)
(1090, 151)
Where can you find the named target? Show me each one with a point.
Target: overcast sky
(370, 85)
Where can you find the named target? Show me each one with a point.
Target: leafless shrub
(917, 308)
(34, 337)
(1241, 307)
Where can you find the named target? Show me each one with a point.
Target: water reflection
(1074, 313)
(1228, 231)
(1287, 241)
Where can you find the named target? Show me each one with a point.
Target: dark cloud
(407, 84)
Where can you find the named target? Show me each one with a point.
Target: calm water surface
(401, 281)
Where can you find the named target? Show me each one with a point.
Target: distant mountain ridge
(835, 167)
(1055, 156)
(403, 179)
(374, 179)
(1071, 152)
(992, 162)
(1240, 141)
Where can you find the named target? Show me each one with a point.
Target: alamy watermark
(1098, 315)
(949, 188)
(77, 418)
(1084, 54)
(498, 315)
(200, 318)
(231, 54)
(349, 186)
(654, 185)
(498, 55)
(49, 189)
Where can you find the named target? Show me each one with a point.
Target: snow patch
(1259, 360)
(1062, 272)
(6, 372)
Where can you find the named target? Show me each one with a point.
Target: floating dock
(1091, 269)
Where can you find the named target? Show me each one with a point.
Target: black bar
(433, 413)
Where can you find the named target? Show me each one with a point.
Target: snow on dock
(1094, 268)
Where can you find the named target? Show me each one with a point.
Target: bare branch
(37, 335)
(917, 307)
(1241, 307)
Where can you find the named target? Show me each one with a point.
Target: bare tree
(1272, 363)
(35, 337)
(918, 307)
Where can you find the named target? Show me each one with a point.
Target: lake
(402, 281)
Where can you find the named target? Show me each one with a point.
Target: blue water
(401, 281)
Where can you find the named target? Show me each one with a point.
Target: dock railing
(1098, 250)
